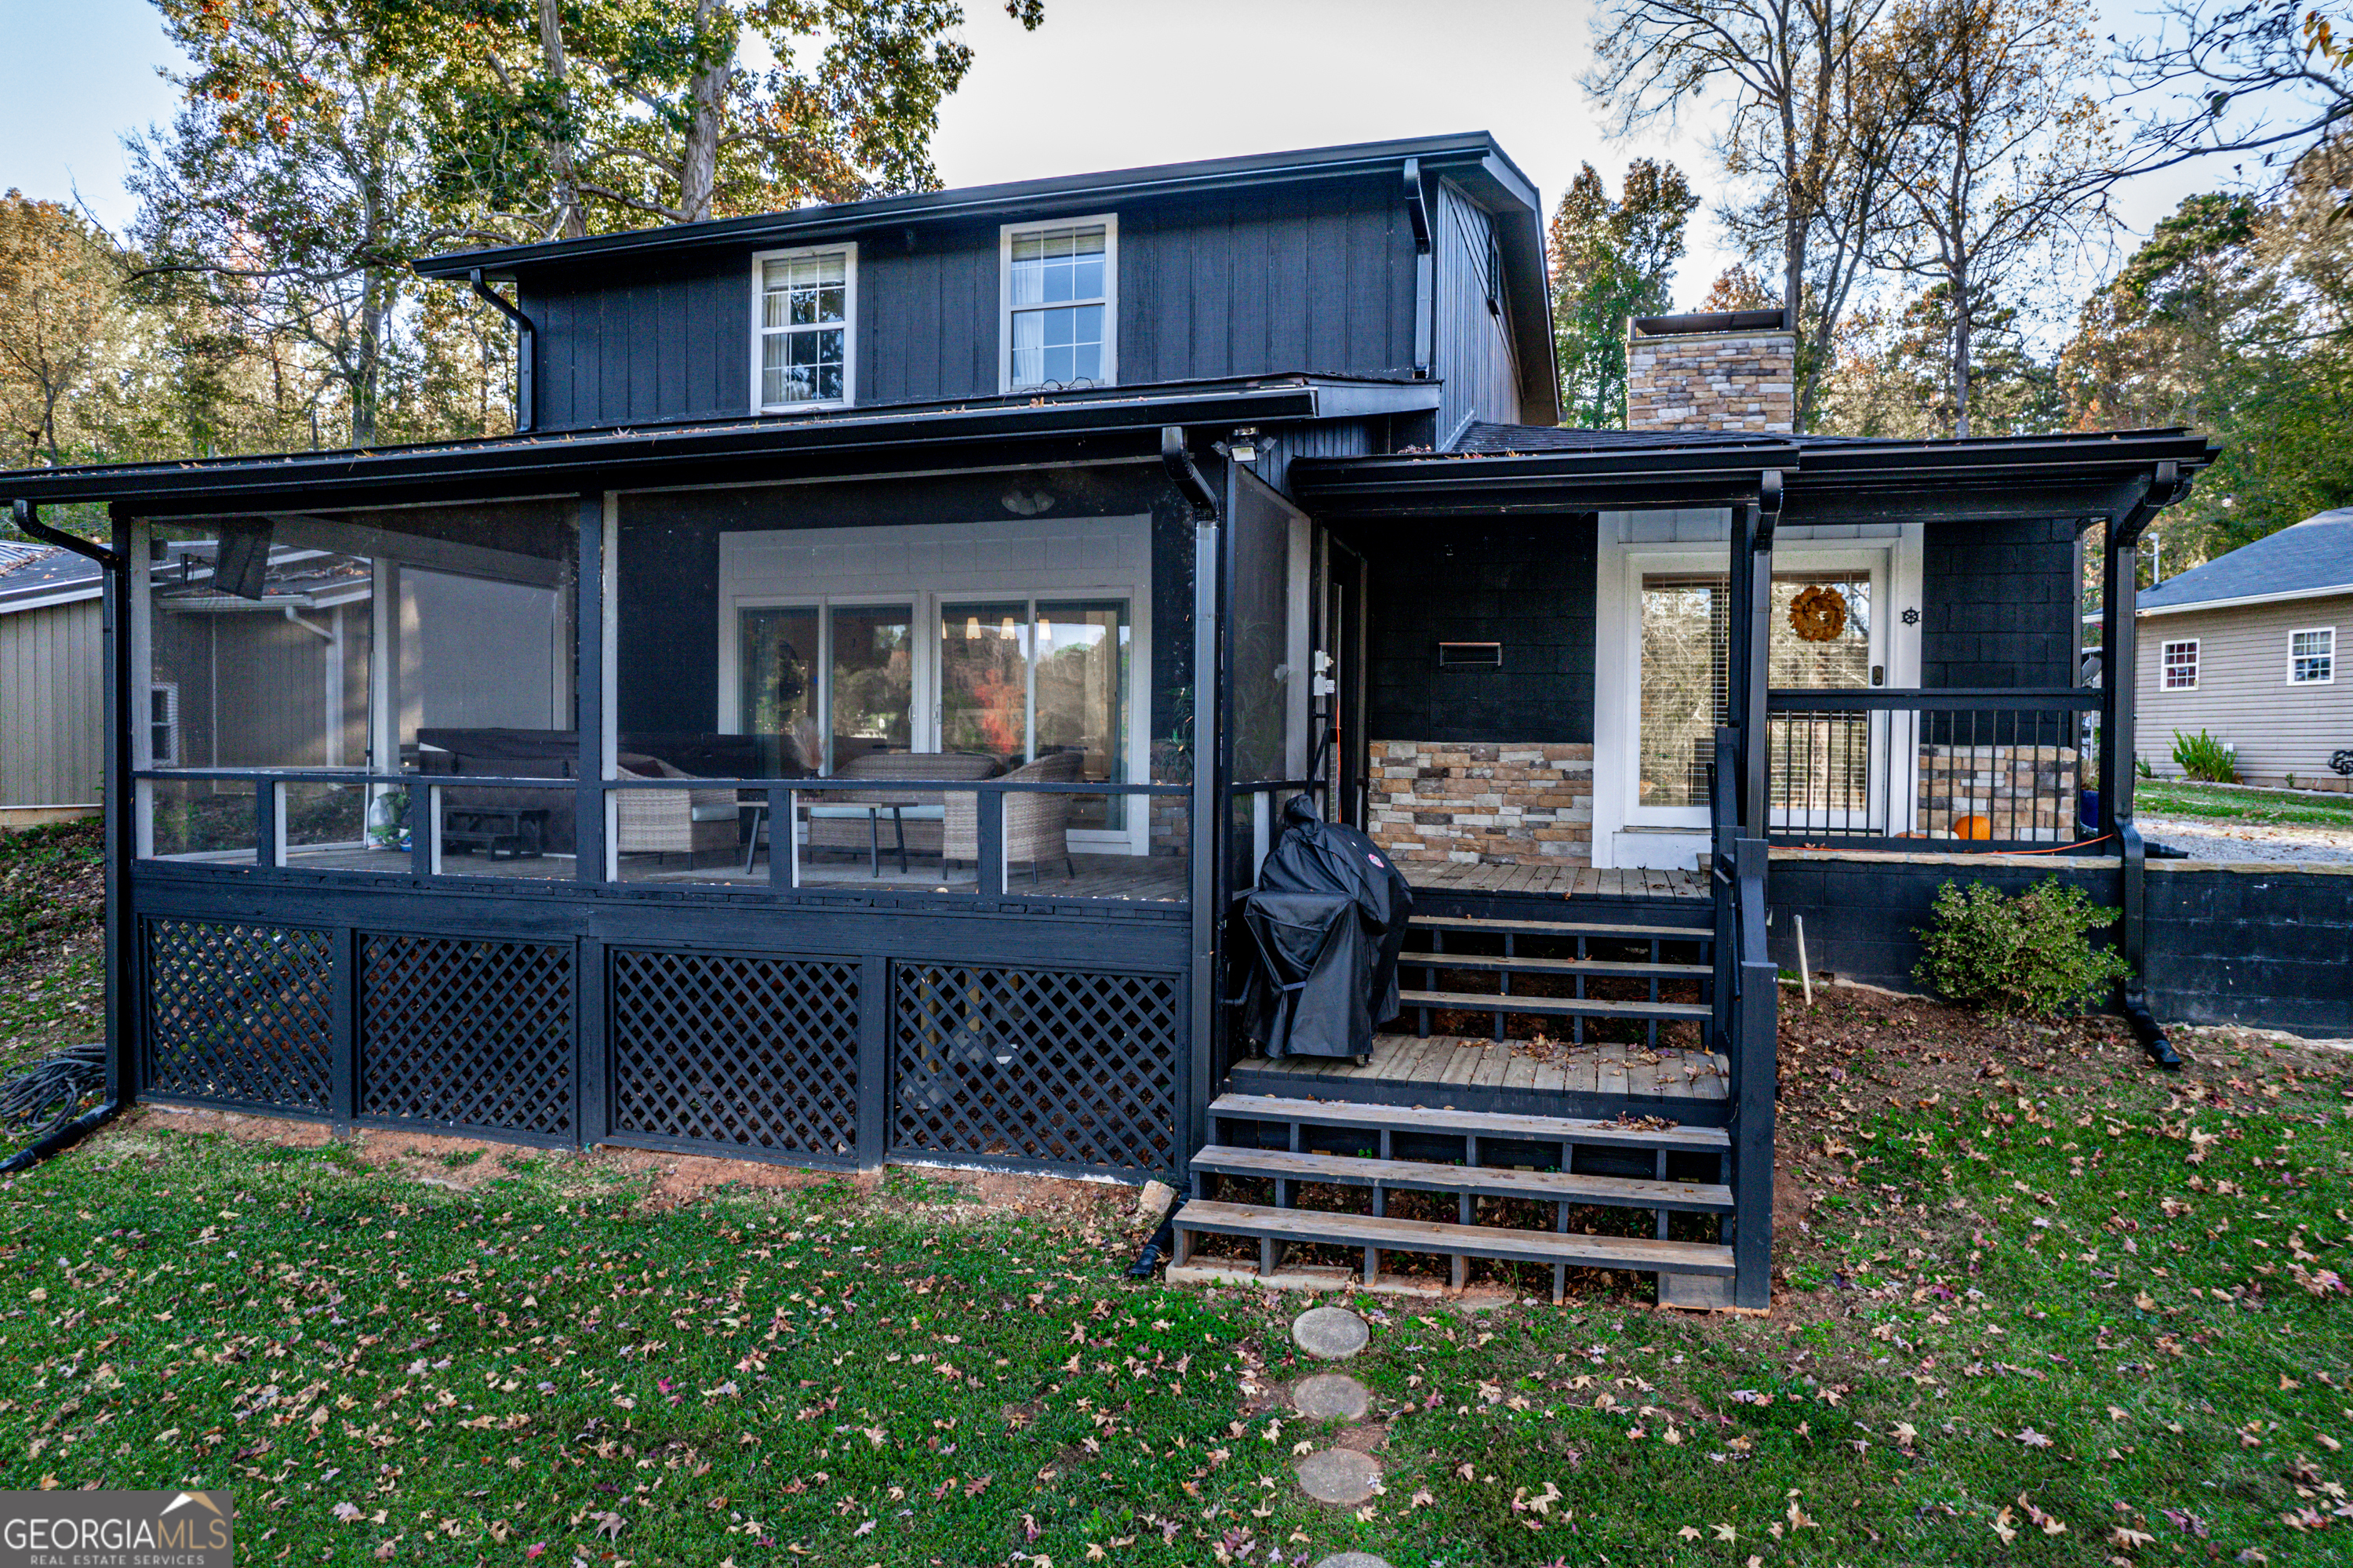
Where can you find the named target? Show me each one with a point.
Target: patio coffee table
(501, 832)
(872, 810)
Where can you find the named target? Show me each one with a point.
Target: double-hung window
(2181, 666)
(1060, 321)
(803, 315)
(2312, 657)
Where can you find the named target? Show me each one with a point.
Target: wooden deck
(1452, 1070)
(1557, 881)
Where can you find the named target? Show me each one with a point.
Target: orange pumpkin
(1973, 827)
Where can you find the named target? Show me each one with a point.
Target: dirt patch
(668, 1180)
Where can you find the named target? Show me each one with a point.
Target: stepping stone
(1331, 1396)
(1353, 1560)
(1330, 1333)
(1339, 1476)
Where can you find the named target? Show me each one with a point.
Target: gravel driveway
(2285, 844)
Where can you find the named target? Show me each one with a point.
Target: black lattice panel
(747, 1053)
(1054, 1067)
(240, 1012)
(468, 1034)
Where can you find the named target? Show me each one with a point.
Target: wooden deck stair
(1479, 1137)
(1503, 1002)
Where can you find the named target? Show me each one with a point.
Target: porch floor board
(1631, 883)
(1155, 878)
(1511, 1067)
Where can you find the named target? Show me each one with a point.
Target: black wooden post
(784, 837)
(593, 1013)
(589, 699)
(988, 816)
(265, 822)
(344, 1030)
(874, 1087)
(1757, 1065)
(1206, 827)
(123, 1019)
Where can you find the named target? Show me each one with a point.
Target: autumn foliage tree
(59, 323)
(1612, 259)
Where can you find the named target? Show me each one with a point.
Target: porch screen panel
(1084, 665)
(1035, 1066)
(260, 649)
(240, 1012)
(468, 1034)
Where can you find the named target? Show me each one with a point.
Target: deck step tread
(1422, 1176)
(1633, 968)
(1561, 927)
(1550, 1006)
(1481, 1124)
(1312, 1226)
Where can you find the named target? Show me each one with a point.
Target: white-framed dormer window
(1058, 325)
(804, 328)
(2312, 657)
(2181, 666)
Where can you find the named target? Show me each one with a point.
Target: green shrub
(2206, 759)
(2028, 954)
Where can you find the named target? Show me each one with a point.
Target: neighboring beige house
(52, 684)
(2251, 648)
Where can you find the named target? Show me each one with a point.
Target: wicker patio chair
(1037, 827)
(673, 821)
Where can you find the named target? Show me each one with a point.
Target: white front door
(1661, 678)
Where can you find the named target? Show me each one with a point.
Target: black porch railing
(1944, 771)
(987, 838)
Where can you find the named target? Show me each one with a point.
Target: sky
(1104, 84)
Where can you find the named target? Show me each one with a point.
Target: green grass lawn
(2078, 1314)
(2180, 798)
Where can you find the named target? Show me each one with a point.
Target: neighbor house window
(804, 313)
(2181, 666)
(1061, 304)
(2312, 657)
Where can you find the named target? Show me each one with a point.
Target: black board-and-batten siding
(1316, 277)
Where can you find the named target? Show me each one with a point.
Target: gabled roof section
(1472, 159)
(2311, 559)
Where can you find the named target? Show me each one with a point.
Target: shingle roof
(34, 575)
(2314, 556)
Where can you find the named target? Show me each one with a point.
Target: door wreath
(1818, 614)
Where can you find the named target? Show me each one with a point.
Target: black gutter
(1603, 478)
(526, 352)
(28, 519)
(561, 464)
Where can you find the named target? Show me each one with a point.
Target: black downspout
(2119, 672)
(526, 352)
(1416, 211)
(118, 1067)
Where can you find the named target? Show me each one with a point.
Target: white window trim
(848, 250)
(2197, 664)
(2295, 632)
(1109, 221)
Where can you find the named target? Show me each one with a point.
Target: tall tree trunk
(699, 162)
(1960, 353)
(572, 219)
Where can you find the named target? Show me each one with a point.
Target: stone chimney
(1729, 370)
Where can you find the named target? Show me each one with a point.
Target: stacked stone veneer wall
(1712, 381)
(1483, 804)
(2020, 792)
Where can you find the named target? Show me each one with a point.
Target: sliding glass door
(1022, 679)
